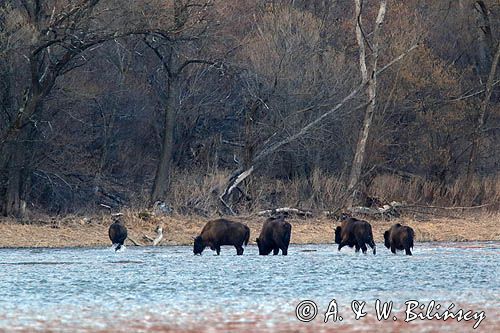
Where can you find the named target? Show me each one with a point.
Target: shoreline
(84, 232)
(379, 244)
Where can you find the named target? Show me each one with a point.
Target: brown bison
(275, 236)
(354, 232)
(399, 237)
(222, 232)
(117, 233)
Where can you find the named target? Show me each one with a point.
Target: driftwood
(158, 238)
(380, 212)
(147, 238)
(155, 241)
(133, 241)
(235, 180)
(447, 208)
(394, 209)
(159, 235)
(387, 210)
(296, 211)
(390, 210)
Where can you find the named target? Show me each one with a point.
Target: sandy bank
(84, 231)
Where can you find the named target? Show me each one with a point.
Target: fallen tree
(286, 210)
(149, 240)
(242, 173)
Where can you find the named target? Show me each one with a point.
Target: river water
(169, 289)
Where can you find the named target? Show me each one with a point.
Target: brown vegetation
(76, 231)
(306, 101)
(198, 194)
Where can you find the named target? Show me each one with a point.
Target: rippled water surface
(96, 289)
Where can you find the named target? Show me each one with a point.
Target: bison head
(199, 246)
(338, 237)
(387, 241)
(264, 248)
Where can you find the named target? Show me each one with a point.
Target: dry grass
(180, 230)
(417, 190)
(195, 201)
(197, 193)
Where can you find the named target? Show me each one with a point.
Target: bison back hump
(224, 232)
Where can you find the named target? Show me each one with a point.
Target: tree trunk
(485, 38)
(249, 149)
(15, 148)
(476, 136)
(371, 79)
(13, 200)
(161, 185)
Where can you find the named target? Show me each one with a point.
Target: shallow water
(81, 289)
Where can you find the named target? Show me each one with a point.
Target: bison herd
(276, 233)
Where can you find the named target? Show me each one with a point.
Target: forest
(211, 106)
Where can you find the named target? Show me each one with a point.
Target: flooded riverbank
(168, 288)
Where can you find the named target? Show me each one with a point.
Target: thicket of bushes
(86, 88)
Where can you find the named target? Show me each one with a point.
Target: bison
(354, 232)
(274, 236)
(117, 233)
(399, 237)
(222, 232)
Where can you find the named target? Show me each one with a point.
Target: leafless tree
(190, 24)
(368, 75)
(46, 39)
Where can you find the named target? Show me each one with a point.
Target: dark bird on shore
(117, 233)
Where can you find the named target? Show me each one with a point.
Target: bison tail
(247, 235)
(410, 242)
(371, 241)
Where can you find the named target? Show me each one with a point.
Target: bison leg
(393, 248)
(284, 250)
(217, 249)
(372, 245)
(276, 251)
(360, 244)
(407, 250)
(239, 250)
